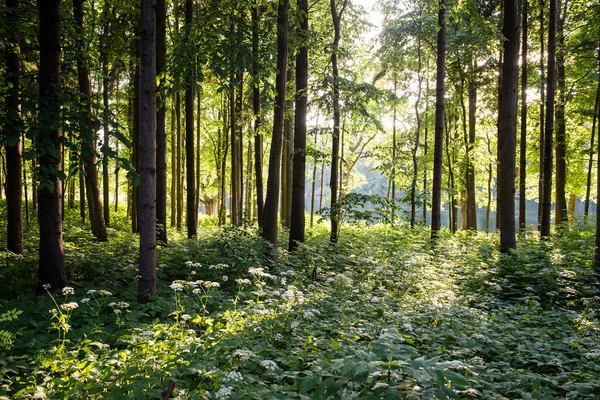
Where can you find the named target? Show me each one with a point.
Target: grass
(384, 314)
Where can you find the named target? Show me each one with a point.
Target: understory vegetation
(383, 314)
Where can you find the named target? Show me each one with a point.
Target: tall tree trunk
(198, 149)
(549, 131)
(270, 227)
(592, 149)
(507, 126)
(239, 103)
(51, 253)
(191, 211)
(173, 165)
(453, 213)
(287, 152)
(89, 147)
(425, 149)
(161, 116)
(415, 148)
(314, 176)
(439, 122)
(12, 132)
(81, 193)
(147, 148)
(27, 219)
(136, 135)
(523, 145)
(542, 116)
(561, 135)
(179, 168)
(335, 146)
(298, 213)
(257, 117)
(106, 138)
(471, 205)
(233, 199)
(392, 185)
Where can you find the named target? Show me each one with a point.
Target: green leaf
(309, 383)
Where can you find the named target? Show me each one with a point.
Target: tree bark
(507, 126)
(106, 138)
(12, 132)
(298, 213)
(335, 144)
(592, 150)
(549, 128)
(191, 211)
(439, 122)
(257, 117)
(161, 116)
(173, 164)
(287, 162)
(523, 145)
(147, 148)
(87, 131)
(179, 168)
(51, 253)
(561, 134)
(270, 227)
(542, 116)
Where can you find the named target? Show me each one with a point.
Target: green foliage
(6, 337)
(381, 315)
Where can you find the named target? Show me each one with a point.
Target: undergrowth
(384, 314)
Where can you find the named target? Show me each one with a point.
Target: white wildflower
(209, 284)
(477, 360)
(408, 327)
(243, 354)
(53, 311)
(67, 290)
(91, 291)
(147, 334)
(196, 291)
(457, 365)
(46, 286)
(233, 376)
(269, 365)
(85, 300)
(69, 306)
(224, 392)
(225, 278)
(294, 324)
(104, 293)
(241, 281)
(593, 354)
(186, 317)
(380, 385)
(117, 311)
(178, 287)
(478, 336)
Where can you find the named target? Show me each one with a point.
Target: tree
(269, 225)
(561, 134)
(258, 150)
(507, 126)
(191, 211)
(161, 113)
(549, 122)
(297, 223)
(335, 143)
(12, 131)
(88, 133)
(147, 151)
(51, 262)
(523, 144)
(436, 199)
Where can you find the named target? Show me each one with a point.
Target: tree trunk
(392, 185)
(136, 135)
(198, 149)
(471, 203)
(549, 129)
(298, 213)
(106, 138)
(523, 145)
(542, 122)
(561, 135)
(191, 211)
(179, 168)
(89, 147)
(415, 148)
(51, 253)
(233, 199)
(12, 132)
(161, 116)
(439, 122)
(335, 146)
(592, 150)
(272, 201)
(147, 148)
(257, 117)
(287, 162)
(507, 126)
(173, 164)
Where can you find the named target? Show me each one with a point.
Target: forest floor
(382, 315)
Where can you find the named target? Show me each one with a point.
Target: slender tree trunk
(314, 177)
(270, 227)
(425, 150)
(439, 122)
(523, 145)
(174, 175)
(89, 149)
(549, 131)
(592, 149)
(298, 213)
(81, 193)
(233, 199)
(191, 211)
(12, 132)
(542, 116)
(249, 189)
(561, 134)
(161, 116)
(51, 253)
(335, 146)
(117, 180)
(322, 184)
(240, 148)
(489, 187)
(415, 148)
(27, 219)
(179, 167)
(287, 163)
(392, 185)
(198, 149)
(136, 135)
(257, 117)
(106, 138)
(453, 214)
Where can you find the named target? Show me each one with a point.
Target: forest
(275, 199)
